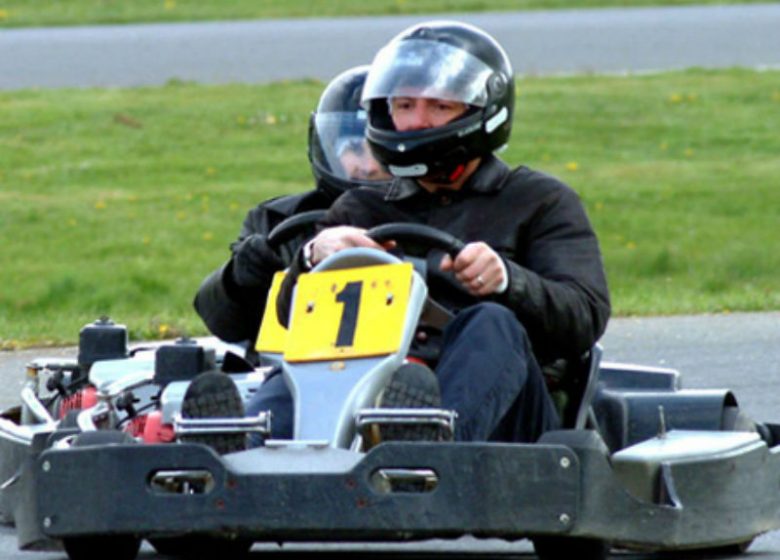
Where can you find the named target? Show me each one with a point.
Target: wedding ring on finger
(480, 281)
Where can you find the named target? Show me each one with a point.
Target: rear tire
(581, 548)
(116, 547)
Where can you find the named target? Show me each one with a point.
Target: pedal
(260, 424)
(368, 419)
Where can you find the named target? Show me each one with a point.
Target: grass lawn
(119, 202)
(26, 13)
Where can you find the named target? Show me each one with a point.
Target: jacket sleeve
(559, 290)
(231, 300)
(233, 318)
(338, 214)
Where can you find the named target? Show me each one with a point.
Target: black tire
(201, 547)
(558, 548)
(116, 547)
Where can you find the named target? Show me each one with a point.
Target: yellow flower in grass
(271, 119)
(164, 330)
(208, 236)
(675, 98)
(8, 344)
(100, 205)
(572, 166)
(170, 4)
(4, 15)
(630, 245)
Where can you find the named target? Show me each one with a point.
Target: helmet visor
(342, 149)
(425, 68)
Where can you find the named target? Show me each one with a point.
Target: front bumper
(562, 486)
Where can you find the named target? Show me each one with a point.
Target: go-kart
(641, 464)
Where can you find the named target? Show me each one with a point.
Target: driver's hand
(479, 268)
(335, 239)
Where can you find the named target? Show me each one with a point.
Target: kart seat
(573, 387)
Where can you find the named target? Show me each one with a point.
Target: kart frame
(646, 465)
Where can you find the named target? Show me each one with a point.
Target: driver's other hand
(478, 267)
(335, 239)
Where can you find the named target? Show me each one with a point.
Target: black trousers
(489, 375)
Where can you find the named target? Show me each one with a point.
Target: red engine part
(80, 400)
(136, 426)
(150, 428)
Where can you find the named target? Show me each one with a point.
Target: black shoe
(214, 395)
(411, 386)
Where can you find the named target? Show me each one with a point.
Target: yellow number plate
(350, 313)
(273, 335)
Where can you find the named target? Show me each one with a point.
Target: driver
(231, 300)
(529, 289)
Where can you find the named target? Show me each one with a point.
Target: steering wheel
(423, 237)
(290, 227)
(419, 235)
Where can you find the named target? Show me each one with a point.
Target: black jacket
(557, 285)
(231, 300)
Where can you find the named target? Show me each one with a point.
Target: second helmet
(339, 155)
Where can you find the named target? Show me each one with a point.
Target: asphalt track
(542, 42)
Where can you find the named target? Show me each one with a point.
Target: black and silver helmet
(440, 60)
(339, 154)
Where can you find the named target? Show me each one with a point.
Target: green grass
(25, 13)
(119, 202)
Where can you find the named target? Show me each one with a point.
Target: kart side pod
(633, 408)
(644, 468)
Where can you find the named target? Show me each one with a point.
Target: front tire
(581, 548)
(193, 547)
(116, 547)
